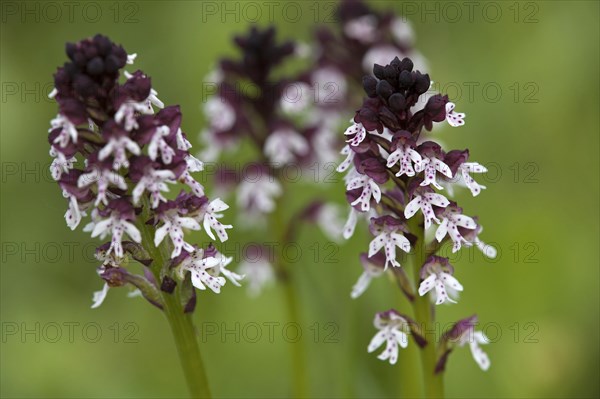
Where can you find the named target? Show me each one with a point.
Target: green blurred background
(539, 299)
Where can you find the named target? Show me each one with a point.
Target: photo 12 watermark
(71, 12)
(53, 332)
(269, 332)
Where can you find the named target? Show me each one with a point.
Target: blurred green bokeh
(539, 299)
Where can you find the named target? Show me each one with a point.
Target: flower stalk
(186, 341)
(180, 321)
(433, 383)
(299, 375)
(298, 351)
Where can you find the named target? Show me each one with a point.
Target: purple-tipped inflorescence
(252, 102)
(256, 103)
(393, 178)
(115, 160)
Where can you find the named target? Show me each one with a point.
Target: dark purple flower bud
(370, 85)
(406, 65)
(73, 109)
(68, 182)
(455, 158)
(71, 49)
(369, 119)
(120, 205)
(384, 89)
(379, 71)
(89, 50)
(190, 202)
(406, 79)
(170, 116)
(396, 63)
(436, 108)
(373, 168)
(138, 86)
(79, 59)
(121, 55)
(168, 285)
(103, 44)
(422, 83)
(391, 73)
(187, 295)
(85, 86)
(112, 64)
(62, 78)
(397, 102)
(431, 149)
(95, 66)
(178, 164)
(92, 76)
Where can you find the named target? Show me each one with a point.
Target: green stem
(181, 323)
(300, 378)
(433, 383)
(285, 233)
(184, 333)
(410, 385)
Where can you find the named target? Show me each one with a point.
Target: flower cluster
(399, 185)
(115, 160)
(249, 102)
(258, 105)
